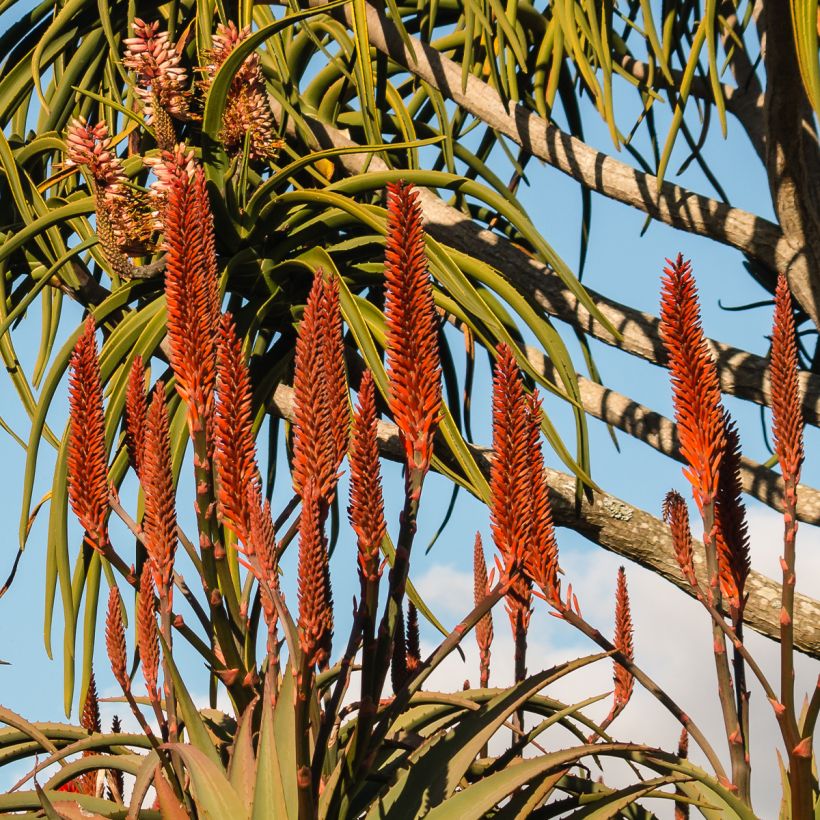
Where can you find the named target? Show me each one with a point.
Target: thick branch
(661, 433)
(792, 157)
(669, 203)
(632, 533)
(742, 374)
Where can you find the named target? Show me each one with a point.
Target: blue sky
(671, 638)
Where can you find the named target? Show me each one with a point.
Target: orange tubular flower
(412, 332)
(624, 682)
(115, 640)
(510, 472)
(695, 386)
(315, 601)
(366, 510)
(90, 720)
(160, 521)
(148, 636)
(541, 559)
(484, 628)
(235, 448)
(136, 414)
(262, 544)
(677, 516)
(322, 424)
(732, 539)
(787, 415)
(87, 463)
(192, 295)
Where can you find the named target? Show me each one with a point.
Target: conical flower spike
(235, 448)
(192, 295)
(412, 331)
(787, 415)
(624, 682)
(366, 510)
(160, 521)
(484, 628)
(322, 424)
(695, 386)
(87, 463)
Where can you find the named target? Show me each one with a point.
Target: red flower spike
(148, 635)
(366, 510)
(89, 720)
(412, 331)
(732, 536)
(413, 640)
(510, 472)
(695, 385)
(87, 463)
(315, 601)
(262, 544)
(136, 413)
(787, 415)
(235, 448)
(624, 682)
(676, 515)
(115, 640)
(322, 424)
(192, 296)
(333, 363)
(160, 520)
(541, 559)
(484, 628)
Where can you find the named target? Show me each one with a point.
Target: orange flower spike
(676, 516)
(87, 463)
(695, 385)
(333, 362)
(541, 559)
(787, 415)
(484, 628)
(732, 541)
(235, 448)
(262, 544)
(510, 471)
(115, 640)
(412, 329)
(192, 296)
(624, 682)
(366, 510)
(136, 413)
(148, 635)
(315, 602)
(313, 443)
(160, 521)
(90, 720)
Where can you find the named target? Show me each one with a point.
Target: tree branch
(668, 203)
(661, 433)
(629, 532)
(742, 374)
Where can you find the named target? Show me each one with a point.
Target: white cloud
(672, 644)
